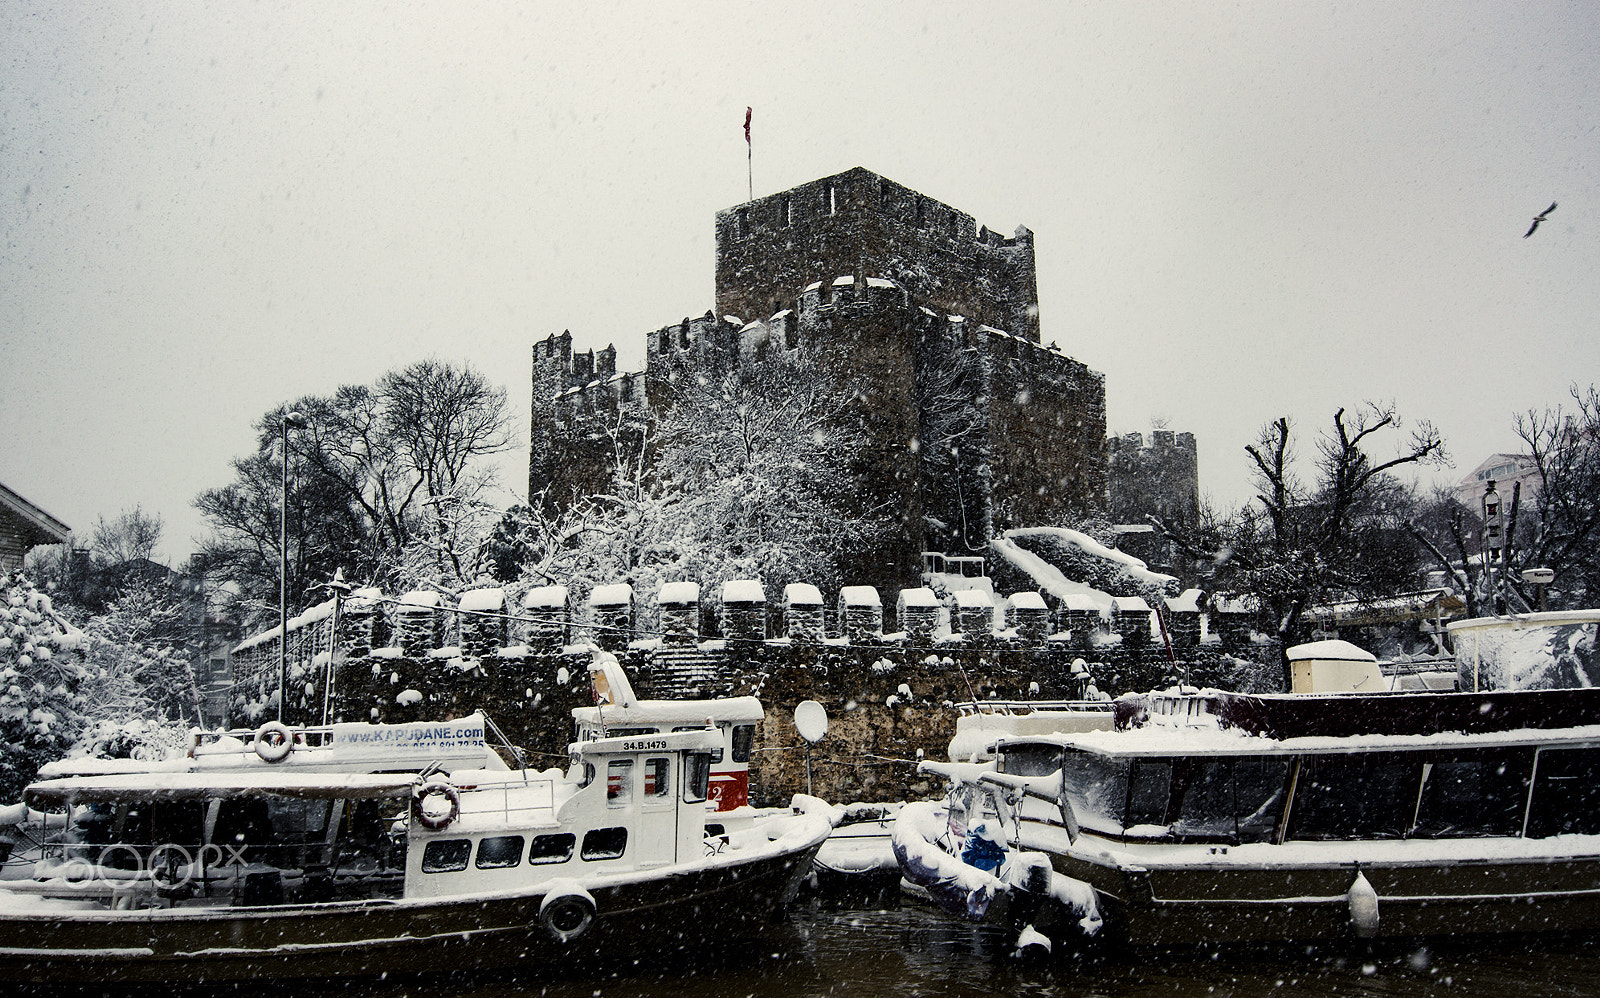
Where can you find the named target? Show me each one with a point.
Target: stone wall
(888, 681)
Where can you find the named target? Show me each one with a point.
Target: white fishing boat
(274, 858)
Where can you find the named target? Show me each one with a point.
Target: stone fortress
(975, 425)
(976, 428)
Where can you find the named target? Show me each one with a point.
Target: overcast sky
(1241, 211)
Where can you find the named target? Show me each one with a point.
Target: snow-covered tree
(72, 686)
(757, 477)
(129, 536)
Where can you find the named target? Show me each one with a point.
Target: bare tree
(383, 478)
(1559, 526)
(1341, 536)
(130, 535)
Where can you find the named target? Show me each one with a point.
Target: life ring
(429, 817)
(274, 741)
(567, 915)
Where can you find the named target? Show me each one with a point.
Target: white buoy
(1363, 901)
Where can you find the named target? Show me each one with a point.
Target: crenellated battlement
(857, 222)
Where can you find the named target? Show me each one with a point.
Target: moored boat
(1223, 818)
(206, 873)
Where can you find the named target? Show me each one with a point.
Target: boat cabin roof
(1175, 742)
(128, 787)
(746, 710)
(699, 739)
(1286, 715)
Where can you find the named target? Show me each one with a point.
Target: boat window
(1149, 789)
(1097, 789)
(604, 843)
(1259, 789)
(657, 777)
(1474, 793)
(716, 754)
(619, 782)
(696, 776)
(1358, 796)
(446, 855)
(1566, 795)
(1033, 759)
(629, 732)
(1236, 799)
(498, 851)
(551, 848)
(744, 735)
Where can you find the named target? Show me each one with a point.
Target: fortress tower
(974, 426)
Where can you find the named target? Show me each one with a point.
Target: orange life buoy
(274, 741)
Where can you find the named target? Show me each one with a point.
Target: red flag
(746, 126)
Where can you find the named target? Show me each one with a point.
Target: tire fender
(567, 913)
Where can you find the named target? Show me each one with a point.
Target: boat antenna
(1161, 618)
(967, 681)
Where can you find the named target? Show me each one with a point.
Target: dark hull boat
(269, 869)
(1218, 818)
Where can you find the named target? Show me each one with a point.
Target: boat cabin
(626, 802)
(734, 719)
(1225, 788)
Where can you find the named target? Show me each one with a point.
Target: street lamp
(1493, 540)
(286, 420)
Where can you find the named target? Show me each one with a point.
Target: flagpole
(750, 156)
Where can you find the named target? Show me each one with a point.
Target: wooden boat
(1222, 818)
(269, 869)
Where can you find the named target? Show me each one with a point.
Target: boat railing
(1015, 707)
(511, 800)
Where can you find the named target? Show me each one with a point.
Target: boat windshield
(1224, 799)
(1451, 792)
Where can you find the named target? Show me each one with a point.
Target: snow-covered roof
(734, 709)
(743, 591)
(1028, 601)
(879, 282)
(802, 594)
(1083, 601)
(840, 282)
(859, 596)
(420, 597)
(972, 598)
(1187, 601)
(1131, 566)
(1186, 741)
(52, 794)
(1332, 650)
(1130, 604)
(1047, 576)
(615, 594)
(921, 596)
(679, 593)
(545, 597)
(483, 599)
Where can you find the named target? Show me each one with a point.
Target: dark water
(914, 950)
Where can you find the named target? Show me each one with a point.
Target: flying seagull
(1539, 218)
